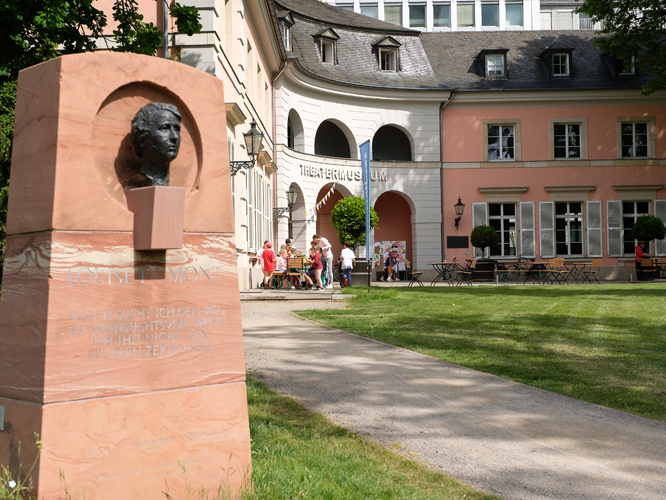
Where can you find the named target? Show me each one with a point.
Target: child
(394, 260)
(269, 264)
(281, 263)
(348, 260)
(386, 268)
(315, 268)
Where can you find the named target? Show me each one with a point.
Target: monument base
(132, 446)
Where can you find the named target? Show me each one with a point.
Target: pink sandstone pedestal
(129, 364)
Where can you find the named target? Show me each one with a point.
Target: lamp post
(253, 145)
(460, 209)
(292, 195)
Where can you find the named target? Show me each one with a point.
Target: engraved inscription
(145, 274)
(147, 332)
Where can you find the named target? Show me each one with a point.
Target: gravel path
(499, 436)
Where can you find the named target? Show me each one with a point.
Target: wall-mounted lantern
(292, 194)
(253, 145)
(460, 209)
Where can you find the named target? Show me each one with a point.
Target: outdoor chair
(556, 272)
(592, 274)
(465, 273)
(416, 278)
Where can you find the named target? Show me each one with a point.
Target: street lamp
(460, 208)
(291, 201)
(292, 196)
(253, 140)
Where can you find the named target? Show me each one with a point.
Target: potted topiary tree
(483, 237)
(648, 228)
(348, 219)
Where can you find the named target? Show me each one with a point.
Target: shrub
(648, 228)
(484, 236)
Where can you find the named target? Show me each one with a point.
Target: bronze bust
(156, 139)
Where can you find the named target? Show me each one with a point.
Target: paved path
(502, 437)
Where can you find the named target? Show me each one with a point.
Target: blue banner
(365, 168)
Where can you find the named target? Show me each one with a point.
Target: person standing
(640, 249)
(326, 249)
(269, 264)
(348, 260)
(394, 261)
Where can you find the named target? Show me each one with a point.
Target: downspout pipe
(441, 168)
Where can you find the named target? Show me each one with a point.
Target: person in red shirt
(316, 268)
(640, 255)
(269, 264)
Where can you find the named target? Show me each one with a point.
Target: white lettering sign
(340, 174)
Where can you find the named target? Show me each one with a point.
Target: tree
(34, 31)
(484, 236)
(636, 35)
(348, 218)
(648, 228)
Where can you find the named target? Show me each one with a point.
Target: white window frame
(287, 37)
(502, 218)
(568, 217)
(632, 68)
(567, 64)
(522, 15)
(440, 4)
(491, 57)
(425, 18)
(649, 127)
(396, 7)
(388, 59)
(490, 26)
(328, 51)
(369, 5)
(468, 27)
(582, 123)
(513, 122)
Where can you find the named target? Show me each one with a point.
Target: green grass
(300, 454)
(603, 344)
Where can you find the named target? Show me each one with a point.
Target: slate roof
(335, 16)
(358, 59)
(451, 56)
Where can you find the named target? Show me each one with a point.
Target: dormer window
(495, 65)
(286, 21)
(561, 65)
(628, 67)
(388, 50)
(490, 63)
(328, 40)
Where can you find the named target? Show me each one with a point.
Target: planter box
(484, 271)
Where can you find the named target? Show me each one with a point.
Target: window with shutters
(502, 218)
(631, 210)
(569, 228)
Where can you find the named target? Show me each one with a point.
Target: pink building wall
(463, 142)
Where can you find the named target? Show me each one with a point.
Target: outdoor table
(577, 268)
(536, 272)
(446, 271)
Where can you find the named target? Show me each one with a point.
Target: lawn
(605, 344)
(300, 454)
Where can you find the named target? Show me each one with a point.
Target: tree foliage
(484, 236)
(634, 29)
(348, 218)
(648, 228)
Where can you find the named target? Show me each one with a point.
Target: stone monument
(120, 328)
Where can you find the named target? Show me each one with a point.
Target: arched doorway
(391, 143)
(297, 220)
(395, 221)
(334, 139)
(324, 226)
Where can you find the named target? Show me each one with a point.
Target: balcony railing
(569, 24)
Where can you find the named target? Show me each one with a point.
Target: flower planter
(484, 271)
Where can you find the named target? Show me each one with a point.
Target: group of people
(391, 265)
(319, 260)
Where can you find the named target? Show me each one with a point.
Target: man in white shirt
(348, 260)
(328, 255)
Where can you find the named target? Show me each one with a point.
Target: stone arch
(396, 212)
(392, 143)
(324, 226)
(334, 138)
(295, 132)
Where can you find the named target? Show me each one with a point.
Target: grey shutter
(614, 229)
(660, 211)
(527, 229)
(546, 229)
(594, 240)
(479, 218)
